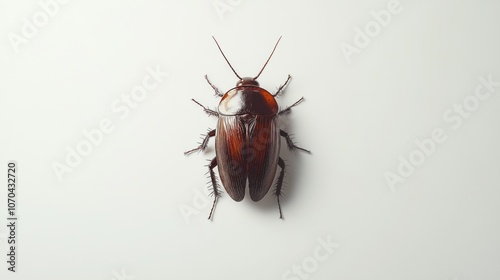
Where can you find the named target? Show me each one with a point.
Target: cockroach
(247, 138)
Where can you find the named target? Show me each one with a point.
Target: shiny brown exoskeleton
(247, 142)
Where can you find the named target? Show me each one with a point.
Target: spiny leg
(288, 109)
(279, 184)
(215, 189)
(282, 86)
(210, 112)
(217, 91)
(290, 144)
(204, 143)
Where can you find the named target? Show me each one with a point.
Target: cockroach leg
(215, 187)
(217, 91)
(290, 144)
(279, 184)
(204, 143)
(288, 109)
(210, 112)
(282, 86)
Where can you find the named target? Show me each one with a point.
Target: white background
(117, 214)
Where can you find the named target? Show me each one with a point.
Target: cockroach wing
(262, 154)
(230, 147)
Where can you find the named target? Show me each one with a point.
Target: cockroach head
(247, 81)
